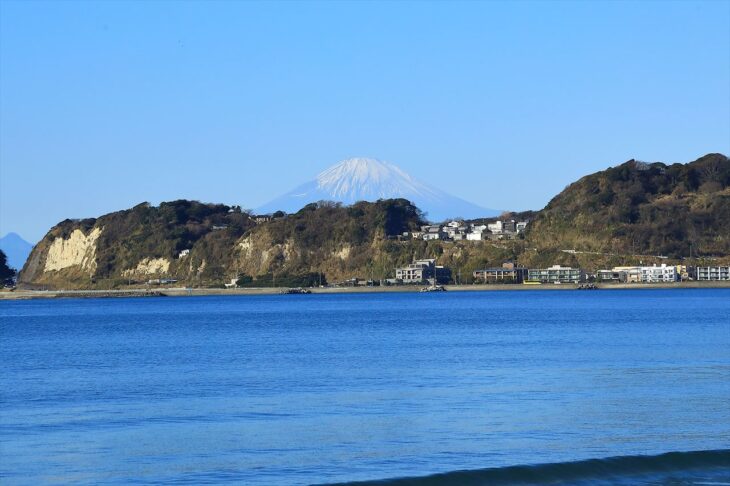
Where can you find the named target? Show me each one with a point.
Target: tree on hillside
(7, 274)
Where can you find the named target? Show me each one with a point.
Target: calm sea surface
(324, 388)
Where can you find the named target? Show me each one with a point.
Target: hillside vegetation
(138, 243)
(622, 215)
(6, 273)
(642, 208)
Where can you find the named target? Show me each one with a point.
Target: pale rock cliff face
(149, 266)
(78, 249)
(257, 254)
(344, 252)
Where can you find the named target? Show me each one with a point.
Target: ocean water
(506, 387)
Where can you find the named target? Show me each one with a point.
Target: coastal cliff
(634, 211)
(138, 244)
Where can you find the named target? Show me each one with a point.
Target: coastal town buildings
(433, 232)
(629, 274)
(641, 274)
(456, 230)
(508, 272)
(556, 274)
(658, 273)
(712, 273)
(423, 271)
(475, 235)
(460, 230)
(495, 227)
(610, 276)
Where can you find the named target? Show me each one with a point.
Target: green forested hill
(126, 245)
(616, 216)
(146, 242)
(638, 207)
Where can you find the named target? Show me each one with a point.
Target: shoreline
(193, 292)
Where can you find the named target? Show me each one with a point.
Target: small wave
(703, 466)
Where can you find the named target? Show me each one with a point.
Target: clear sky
(105, 105)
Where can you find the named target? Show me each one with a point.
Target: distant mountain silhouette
(364, 179)
(16, 249)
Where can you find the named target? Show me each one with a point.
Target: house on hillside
(476, 235)
(433, 232)
(456, 231)
(508, 229)
(495, 228)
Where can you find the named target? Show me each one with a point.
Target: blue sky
(105, 105)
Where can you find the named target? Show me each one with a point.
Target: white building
(475, 235)
(495, 228)
(456, 232)
(656, 274)
(433, 236)
(183, 253)
(433, 232)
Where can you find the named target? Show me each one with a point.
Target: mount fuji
(364, 179)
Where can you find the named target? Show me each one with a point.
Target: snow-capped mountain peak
(368, 179)
(362, 178)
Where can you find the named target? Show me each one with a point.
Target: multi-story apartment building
(423, 271)
(656, 274)
(712, 273)
(508, 272)
(556, 274)
(644, 274)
